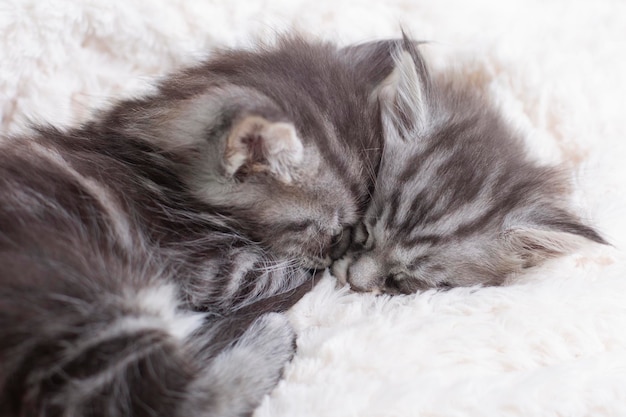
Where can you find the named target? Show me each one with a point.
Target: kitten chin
(145, 255)
(262, 136)
(457, 201)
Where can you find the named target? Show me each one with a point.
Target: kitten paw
(239, 377)
(339, 269)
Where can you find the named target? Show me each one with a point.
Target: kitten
(457, 201)
(281, 141)
(144, 255)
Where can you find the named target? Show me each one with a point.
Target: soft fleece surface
(552, 343)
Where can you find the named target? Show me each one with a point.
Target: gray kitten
(144, 255)
(457, 200)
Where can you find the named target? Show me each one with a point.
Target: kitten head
(281, 140)
(457, 201)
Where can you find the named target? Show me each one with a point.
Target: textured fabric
(552, 343)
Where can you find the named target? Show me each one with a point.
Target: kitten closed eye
(457, 201)
(145, 255)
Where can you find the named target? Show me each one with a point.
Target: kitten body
(283, 140)
(143, 256)
(457, 200)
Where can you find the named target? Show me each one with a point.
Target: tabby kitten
(457, 200)
(143, 255)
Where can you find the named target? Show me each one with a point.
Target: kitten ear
(553, 235)
(371, 61)
(405, 94)
(256, 145)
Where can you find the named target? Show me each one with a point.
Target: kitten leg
(280, 302)
(240, 376)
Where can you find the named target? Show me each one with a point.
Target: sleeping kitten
(280, 141)
(457, 201)
(142, 255)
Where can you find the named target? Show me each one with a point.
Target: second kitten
(457, 201)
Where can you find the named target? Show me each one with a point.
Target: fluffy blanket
(553, 342)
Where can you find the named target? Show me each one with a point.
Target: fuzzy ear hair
(256, 145)
(372, 61)
(558, 236)
(405, 94)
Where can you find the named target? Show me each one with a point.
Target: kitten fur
(457, 201)
(144, 255)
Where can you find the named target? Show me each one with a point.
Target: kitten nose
(364, 275)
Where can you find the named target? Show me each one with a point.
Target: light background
(553, 343)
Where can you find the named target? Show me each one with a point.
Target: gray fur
(294, 205)
(457, 200)
(142, 254)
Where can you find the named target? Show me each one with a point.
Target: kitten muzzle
(365, 275)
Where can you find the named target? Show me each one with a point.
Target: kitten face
(457, 201)
(282, 140)
(280, 188)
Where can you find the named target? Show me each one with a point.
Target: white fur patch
(161, 303)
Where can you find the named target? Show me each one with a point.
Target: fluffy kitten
(457, 201)
(142, 255)
(282, 141)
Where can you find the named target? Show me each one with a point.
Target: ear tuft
(257, 145)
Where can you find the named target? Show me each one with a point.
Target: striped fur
(143, 256)
(294, 193)
(457, 201)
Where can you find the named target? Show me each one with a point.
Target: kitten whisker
(177, 224)
(462, 202)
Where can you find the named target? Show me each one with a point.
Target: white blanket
(552, 343)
